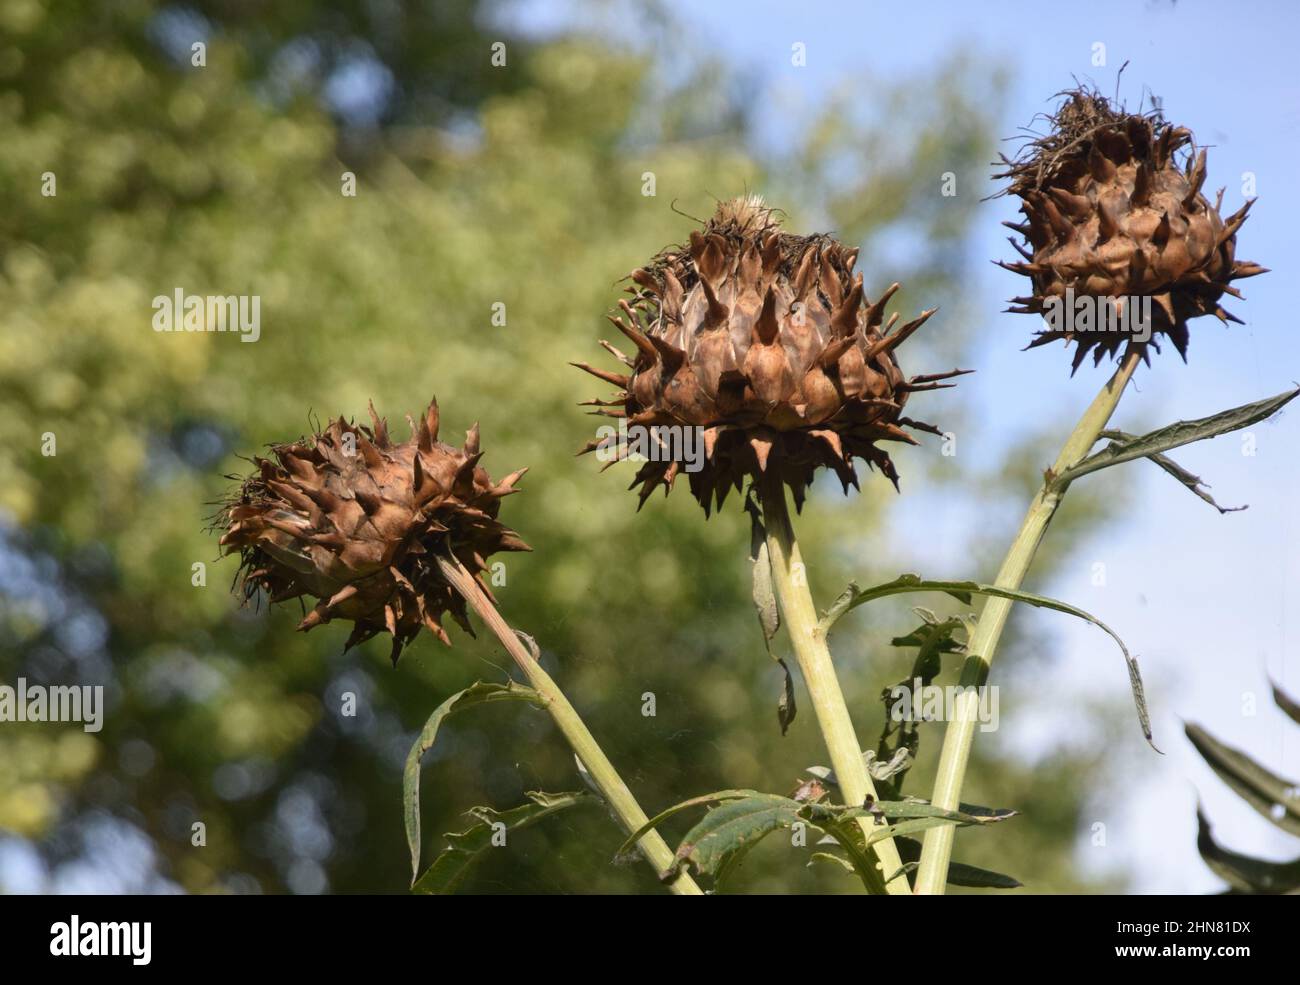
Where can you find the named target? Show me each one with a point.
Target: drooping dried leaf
(1181, 433)
(1194, 483)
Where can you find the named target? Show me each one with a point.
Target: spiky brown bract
(765, 341)
(1114, 210)
(353, 520)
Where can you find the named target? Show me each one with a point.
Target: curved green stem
(809, 642)
(936, 853)
(611, 785)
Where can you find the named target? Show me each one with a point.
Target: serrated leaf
(718, 842)
(727, 833)
(1277, 799)
(851, 838)
(1181, 433)
(1290, 707)
(1241, 872)
(464, 848)
(1194, 483)
(664, 815)
(916, 817)
(963, 591)
(478, 693)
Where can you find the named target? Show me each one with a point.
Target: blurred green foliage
(475, 185)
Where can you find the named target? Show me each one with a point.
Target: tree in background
(495, 210)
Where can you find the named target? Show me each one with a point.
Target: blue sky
(1206, 601)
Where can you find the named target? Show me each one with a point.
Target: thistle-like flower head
(353, 520)
(766, 344)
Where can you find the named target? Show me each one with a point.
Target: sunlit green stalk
(932, 876)
(814, 657)
(611, 785)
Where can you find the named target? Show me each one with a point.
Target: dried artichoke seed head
(766, 345)
(1114, 212)
(355, 521)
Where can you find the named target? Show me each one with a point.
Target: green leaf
(959, 874)
(973, 877)
(934, 637)
(996, 813)
(1241, 872)
(1290, 707)
(853, 596)
(913, 826)
(854, 841)
(917, 817)
(726, 834)
(1180, 433)
(1277, 799)
(464, 848)
(1195, 484)
(908, 809)
(478, 693)
(664, 815)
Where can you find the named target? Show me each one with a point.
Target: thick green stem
(932, 876)
(809, 641)
(611, 785)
